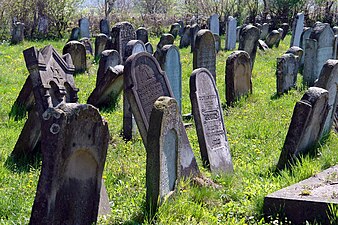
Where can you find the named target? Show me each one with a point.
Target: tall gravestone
(104, 27)
(248, 41)
(75, 34)
(17, 32)
(84, 28)
(142, 34)
(204, 55)
(77, 51)
(208, 116)
(174, 29)
(100, 45)
(185, 38)
(286, 73)
(144, 83)
(163, 152)
(297, 29)
(238, 76)
(193, 33)
(305, 35)
(230, 38)
(214, 23)
(306, 125)
(318, 49)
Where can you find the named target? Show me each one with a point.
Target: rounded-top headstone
(133, 47)
(77, 51)
(273, 38)
(166, 39)
(104, 27)
(174, 29)
(142, 34)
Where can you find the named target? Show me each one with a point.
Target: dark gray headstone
(335, 30)
(193, 33)
(75, 35)
(306, 125)
(174, 29)
(285, 27)
(88, 45)
(297, 29)
(185, 39)
(181, 23)
(208, 116)
(238, 76)
(214, 24)
(286, 73)
(100, 45)
(273, 39)
(84, 28)
(17, 32)
(264, 31)
(248, 41)
(104, 27)
(77, 51)
(166, 39)
(230, 38)
(217, 42)
(109, 58)
(142, 34)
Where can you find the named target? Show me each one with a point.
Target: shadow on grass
(23, 164)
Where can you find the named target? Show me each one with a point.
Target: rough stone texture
(17, 32)
(305, 35)
(100, 45)
(149, 48)
(185, 39)
(264, 31)
(104, 27)
(74, 146)
(75, 34)
(306, 125)
(297, 29)
(109, 58)
(238, 76)
(248, 41)
(84, 28)
(142, 34)
(285, 27)
(328, 80)
(273, 39)
(163, 150)
(77, 51)
(214, 24)
(166, 39)
(306, 201)
(297, 51)
(318, 49)
(88, 45)
(208, 116)
(262, 45)
(286, 73)
(217, 42)
(230, 37)
(193, 33)
(204, 55)
(144, 83)
(174, 29)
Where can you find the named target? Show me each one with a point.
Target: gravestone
(109, 58)
(166, 39)
(335, 51)
(204, 55)
(193, 33)
(297, 29)
(121, 34)
(84, 28)
(297, 51)
(88, 45)
(163, 150)
(43, 25)
(286, 73)
(335, 30)
(248, 41)
(181, 23)
(100, 45)
(217, 42)
(17, 32)
(77, 51)
(238, 76)
(230, 38)
(144, 83)
(174, 29)
(170, 62)
(142, 34)
(328, 80)
(306, 126)
(264, 31)
(133, 47)
(280, 30)
(318, 49)
(214, 24)
(238, 31)
(305, 35)
(74, 142)
(185, 39)
(208, 116)
(149, 48)
(104, 27)
(75, 35)
(273, 39)
(285, 27)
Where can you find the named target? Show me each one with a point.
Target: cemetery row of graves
(187, 128)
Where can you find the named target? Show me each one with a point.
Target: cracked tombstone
(77, 51)
(104, 27)
(248, 41)
(84, 28)
(144, 83)
(142, 35)
(208, 116)
(297, 29)
(286, 73)
(306, 126)
(230, 36)
(163, 149)
(100, 45)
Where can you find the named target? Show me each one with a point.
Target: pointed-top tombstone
(248, 41)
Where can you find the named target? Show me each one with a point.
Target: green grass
(256, 126)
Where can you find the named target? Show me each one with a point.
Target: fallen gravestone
(230, 37)
(100, 45)
(109, 58)
(238, 76)
(77, 51)
(208, 116)
(185, 39)
(286, 73)
(75, 34)
(88, 45)
(104, 27)
(17, 32)
(248, 41)
(193, 33)
(214, 24)
(297, 29)
(273, 39)
(174, 29)
(306, 126)
(142, 35)
(84, 28)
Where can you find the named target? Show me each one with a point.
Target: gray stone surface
(144, 83)
(214, 24)
(217, 43)
(149, 48)
(163, 152)
(142, 34)
(305, 35)
(17, 32)
(248, 41)
(174, 29)
(104, 27)
(286, 72)
(193, 33)
(84, 28)
(230, 37)
(43, 25)
(77, 51)
(306, 126)
(75, 34)
(335, 50)
(100, 45)
(185, 39)
(238, 76)
(181, 23)
(273, 39)
(109, 58)
(297, 29)
(204, 54)
(208, 116)
(264, 31)
(306, 201)
(166, 39)
(297, 51)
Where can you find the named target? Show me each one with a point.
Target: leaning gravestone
(104, 27)
(297, 29)
(286, 73)
(318, 49)
(142, 35)
(84, 28)
(208, 116)
(238, 76)
(214, 24)
(174, 29)
(166, 39)
(100, 45)
(193, 33)
(144, 83)
(75, 35)
(305, 35)
(185, 39)
(306, 125)
(17, 32)
(163, 152)
(230, 38)
(170, 62)
(328, 80)
(109, 58)
(77, 51)
(204, 55)
(264, 31)
(248, 41)
(273, 39)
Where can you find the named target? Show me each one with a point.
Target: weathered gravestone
(193, 33)
(17, 32)
(181, 23)
(328, 80)
(297, 29)
(217, 42)
(238, 76)
(318, 49)
(230, 38)
(166, 39)
(75, 34)
(174, 29)
(264, 31)
(306, 126)
(88, 45)
(100, 45)
(208, 116)
(133, 47)
(43, 25)
(121, 34)
(142, 35)
(273, 39)
(214, 24)
(77, 51)
(285, 27)
(262, 45)
(204, 55)
(149, 48)
(248, 41)
(305, 35)
(144, 83)
(109, 58)
(286, 73)
(170, 61)
(163, 152)
(185, 39)
(297, 51)
(84, 28)
(238, 31)
(104, 27)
